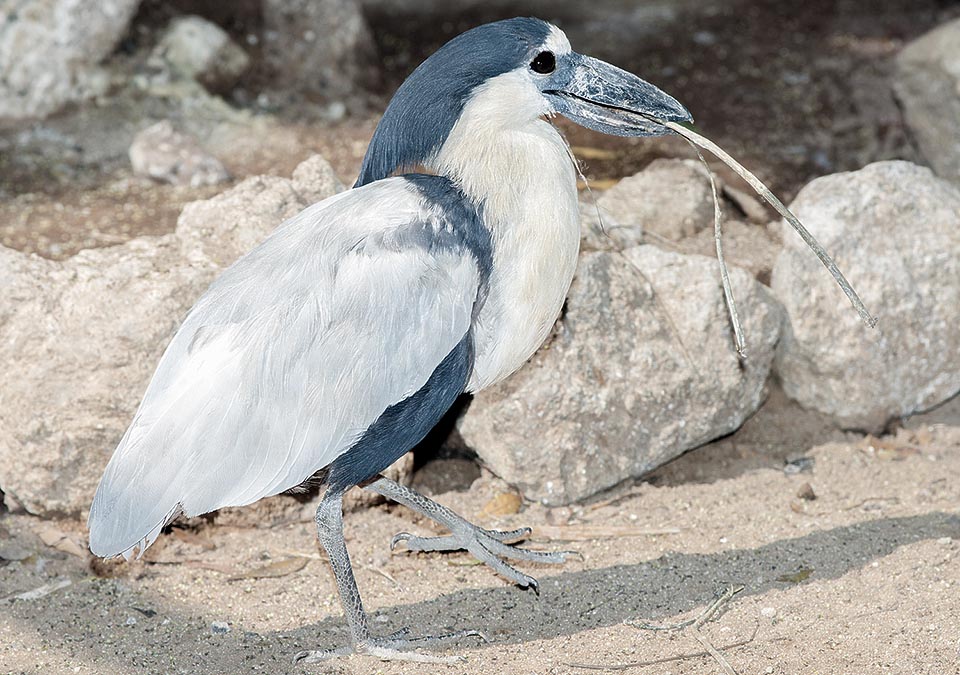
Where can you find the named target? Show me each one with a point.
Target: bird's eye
(545, 62)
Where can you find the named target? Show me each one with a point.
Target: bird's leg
(488, 546)
(330, 532)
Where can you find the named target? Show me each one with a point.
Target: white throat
(517, 166)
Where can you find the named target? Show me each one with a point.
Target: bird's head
(506, 74)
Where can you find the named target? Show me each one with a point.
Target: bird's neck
(524, 181)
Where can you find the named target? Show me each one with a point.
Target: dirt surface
(846, 546)
(848, 553)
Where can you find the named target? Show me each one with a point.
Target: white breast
(518, 167)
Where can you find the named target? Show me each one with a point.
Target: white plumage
(285, 361)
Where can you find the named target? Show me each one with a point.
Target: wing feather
(286, 360)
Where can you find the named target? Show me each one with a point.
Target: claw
(398, 537)
(510, 536)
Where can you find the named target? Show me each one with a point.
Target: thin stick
(715, 653)
(705, 617)
(697, 622)
(666, 659)
(724, 274)
(771, 199)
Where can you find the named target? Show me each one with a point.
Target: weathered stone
(320, 48)
(163, 153)
(225, 227)
(78, 342)
(927, 82)
(641, 368)
(748, 245)
(894, 230)
(79, 339)
(194, 48)
(600, 231)
(49, 51)
(670, 198)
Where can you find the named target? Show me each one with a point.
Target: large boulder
(50, 51)
(670, 198)
(78, 342)
(927, 82)
(79, 339)
(319, 48)
(224, 227)
(193, 48)
(894, 230)
(165, 154)
(640, 369)
(670, 204)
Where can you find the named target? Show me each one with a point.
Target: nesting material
(698, 142)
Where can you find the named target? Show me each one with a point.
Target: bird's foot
(395, 647)
(487, 546)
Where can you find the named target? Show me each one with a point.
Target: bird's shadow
(671, 584)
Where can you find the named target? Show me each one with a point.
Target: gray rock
(927, 82)
(50, 51)
(670, 198)
(894, 230)
(600, 231)
(78, 342)
(79, 339)
(196, 49)
(640, 369)
(223, 228)
(163, 153)
(320, 48)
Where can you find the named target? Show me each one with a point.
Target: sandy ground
(864, 578)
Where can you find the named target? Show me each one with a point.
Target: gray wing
(286, 360)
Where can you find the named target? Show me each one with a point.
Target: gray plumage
(289, 357)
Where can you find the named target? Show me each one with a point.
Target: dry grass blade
(724, 274)
(771, 199)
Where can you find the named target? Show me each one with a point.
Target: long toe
(488, 546)
(399, 647)
(428, 544)
(320, 655)
(509, 536)
(517, 553)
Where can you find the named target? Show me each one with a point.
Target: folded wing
(290, 355)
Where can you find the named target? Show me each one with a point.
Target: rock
(225, 227)
(194, 48)
(670, 198)
(748, 245)
(600, 231)
(927, 83)
(640, 369)
(78, 342)
(50, 51)
(894, 230)
(163, 153)
(319, 48)
(79, 339)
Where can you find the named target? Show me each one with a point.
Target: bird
(334, 346)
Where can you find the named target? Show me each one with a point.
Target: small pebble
(806, 492)
(944, 541)
(131, 621)
(768, 612)
(219, 627)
